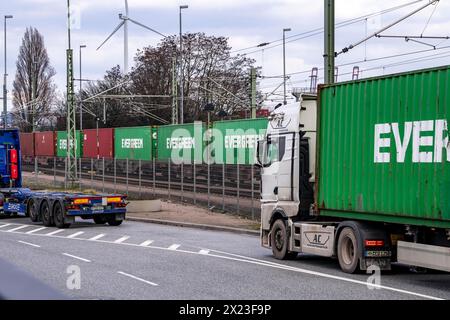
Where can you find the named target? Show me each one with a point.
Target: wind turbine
(124, 23)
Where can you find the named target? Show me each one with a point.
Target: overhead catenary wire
(429, 19)
(351, 46)
(365, 61)
(396, 64)
(318, 31)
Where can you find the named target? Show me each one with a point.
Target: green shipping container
(234, 142)
(182, 143)
(61, 144)
(133, 143)
(384, 152)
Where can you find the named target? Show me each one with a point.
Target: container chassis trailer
(52, 208)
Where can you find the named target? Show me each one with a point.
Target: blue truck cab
(10, 164)
(52, 208)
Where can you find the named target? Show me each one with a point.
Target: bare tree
(211, 75)
(33, 89)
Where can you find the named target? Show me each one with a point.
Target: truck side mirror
(257, 155)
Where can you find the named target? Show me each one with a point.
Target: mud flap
(119, 216)
(381, 263)
(69, 219)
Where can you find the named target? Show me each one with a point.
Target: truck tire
(113, 222)
(99, 219)
(46, 215)
(58, 216)
(32, 211)
(348, 250)
(279, 240)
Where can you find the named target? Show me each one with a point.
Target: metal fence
(219, 187)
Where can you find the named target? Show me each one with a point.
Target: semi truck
(52, 208)
(360, 171)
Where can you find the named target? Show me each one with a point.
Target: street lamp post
(284, 63)
(181, 69)
(5, 91)
(81, 85)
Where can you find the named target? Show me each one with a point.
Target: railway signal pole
(71, 176)
(329, 55)
(253, 92)
(175, 116)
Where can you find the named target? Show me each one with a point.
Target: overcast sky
(246, 24)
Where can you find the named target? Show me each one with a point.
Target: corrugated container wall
(27, 144)
(44, 143)
(384, 150)
(181, 143)
(235, 141)
(133, 143)
(61, 141)
(105, 146)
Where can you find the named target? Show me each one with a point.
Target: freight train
(230, 142)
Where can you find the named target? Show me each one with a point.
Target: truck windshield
(271, 150)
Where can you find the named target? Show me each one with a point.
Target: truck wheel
(113, 222)
(279, 240)
(58, 215)
(46, 215)
(99, 219)
(32, 211)
(348, 251)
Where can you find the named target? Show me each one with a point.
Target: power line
(317, 31)
(396, 64)
(429, 19)
(370, 60)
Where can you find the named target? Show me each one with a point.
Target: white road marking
(203, 251)
(136, 278)
(30, 244)
(35, 230)
(173, 247)
(266, 264)
(75, 257)
(122, 239)
(18, 228)
(97, 237)
(146, 243)
(5, 225)
(74, 235)
(54, 232)
(320, 274)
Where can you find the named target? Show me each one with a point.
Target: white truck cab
(287, 157)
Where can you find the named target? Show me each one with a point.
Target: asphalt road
(146, 261)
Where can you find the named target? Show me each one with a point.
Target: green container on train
(61, 144)
(384, 152)
(134, 143)
(234, 142)
(181, 143)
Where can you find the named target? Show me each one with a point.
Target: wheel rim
(348, 251)
(58, 215)
(45, 213)
(32, 211)
(279, 239)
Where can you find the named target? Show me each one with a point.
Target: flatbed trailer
(52, 208)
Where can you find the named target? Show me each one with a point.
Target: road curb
(194, 225)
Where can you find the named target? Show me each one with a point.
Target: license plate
(97, 208)
(377, 254)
